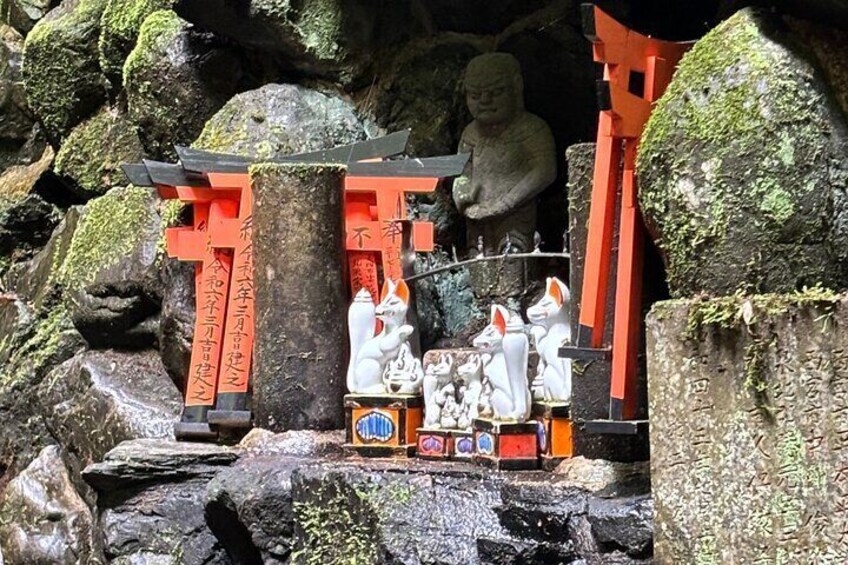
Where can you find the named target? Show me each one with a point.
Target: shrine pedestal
(556, 439)
(439, 445)
(382, 425)
(508, 446)
(434, 444)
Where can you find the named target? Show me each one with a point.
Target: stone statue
(370, 355)
(506, 348)
(551, 330)
(513, 157)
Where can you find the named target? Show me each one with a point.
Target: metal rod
(504, 257)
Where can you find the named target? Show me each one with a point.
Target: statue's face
(492, 102)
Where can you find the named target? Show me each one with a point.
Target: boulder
(279, 119)
(176, 322)
(62, 76)
(90, 160)
(98, 399)
(742, 180)
(16, 120)
(176, 79)
(477, 16)
(119, 30)
(43, 520)
(23, 14)
(47, 340)
(37, 282)
(150, 502)
(26, 219)
(333, 40)
(111, 272)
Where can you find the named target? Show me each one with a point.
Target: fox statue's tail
(361, 322)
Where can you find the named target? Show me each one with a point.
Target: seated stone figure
(513, 158)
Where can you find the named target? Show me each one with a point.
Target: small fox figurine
(471, 376)
(371, 354)
(437, 385)
(551, 330)
(510, 397)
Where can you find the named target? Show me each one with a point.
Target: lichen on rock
(61, 70)
(280, 119)
(91, 157)
(738, 182)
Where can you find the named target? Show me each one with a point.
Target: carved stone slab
(749, 431)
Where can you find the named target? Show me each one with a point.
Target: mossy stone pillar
(301, 297)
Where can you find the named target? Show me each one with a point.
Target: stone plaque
(749, 425)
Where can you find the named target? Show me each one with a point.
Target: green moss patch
(93, 153)
(157, 30)
(120, 26)
(61, 70)
(734, 165)
(110, 229)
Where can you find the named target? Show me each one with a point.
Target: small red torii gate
(219, 242)
(625, 55)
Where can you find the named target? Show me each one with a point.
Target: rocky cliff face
(744, 184)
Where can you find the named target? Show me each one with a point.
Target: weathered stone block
(748, 403)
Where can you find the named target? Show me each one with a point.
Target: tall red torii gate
(637, 70)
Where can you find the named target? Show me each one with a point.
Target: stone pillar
(749, 429)
(301, 297)
(591, 380)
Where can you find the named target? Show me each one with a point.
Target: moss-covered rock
(119, 29)
(111, 271)
(176, 79)
(91, 157)
(280, 119)
(333, 39)
(741, 166)
(62, 75)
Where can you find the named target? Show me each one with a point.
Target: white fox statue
(506, 368)
(551, 330)
(371, 354)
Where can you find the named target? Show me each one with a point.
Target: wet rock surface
(176, 79)
(278, 498)
(111, 270)
(44, 519)
(99, 399)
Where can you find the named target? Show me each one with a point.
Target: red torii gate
(219, 241)
(625, 55)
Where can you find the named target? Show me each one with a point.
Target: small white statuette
(551, 330)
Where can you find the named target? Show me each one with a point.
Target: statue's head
(494, 89)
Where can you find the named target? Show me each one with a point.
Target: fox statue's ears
(499, 317)
(558, 291)
(400, 289)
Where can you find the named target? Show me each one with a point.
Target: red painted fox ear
(402, 290)
(555, 292)
(499, 320)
